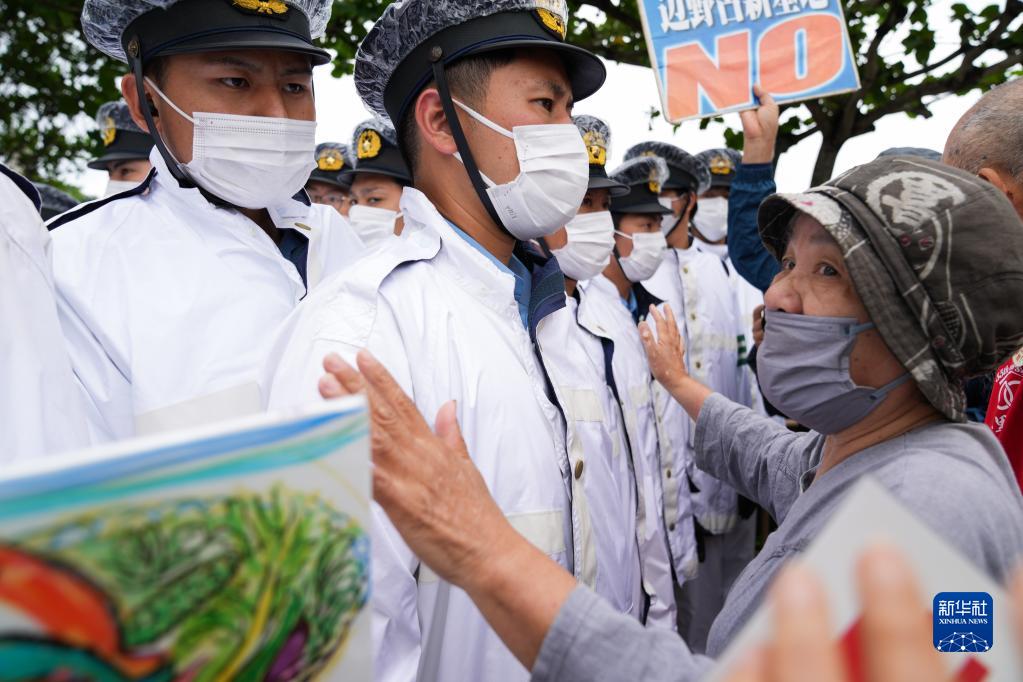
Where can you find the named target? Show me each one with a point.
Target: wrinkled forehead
(806, 231)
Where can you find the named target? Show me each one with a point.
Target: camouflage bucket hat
(935, 254)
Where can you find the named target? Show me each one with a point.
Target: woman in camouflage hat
(902, 274)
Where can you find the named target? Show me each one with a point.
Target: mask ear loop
(475, 177)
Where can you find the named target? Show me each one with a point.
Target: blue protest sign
(708, 54)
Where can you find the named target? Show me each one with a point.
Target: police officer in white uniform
(125, 150)
(41, 406)
(710, 227)
(584, 251)
(697, 286)
(460, 310)
(379, 176)
(329, 183)
(170, 293)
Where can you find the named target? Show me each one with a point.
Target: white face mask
(648, 250)
(249, 161)
(554, 174)
(118, 186)
(591, 238)
(712, 218)
(373, 225)
(669, 222)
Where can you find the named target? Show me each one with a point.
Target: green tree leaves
(52, 81)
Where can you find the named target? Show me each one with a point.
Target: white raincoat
(443, 319)
(674, 430)
(605, 314)
(170, 304)
(715, 329)
(40, 403)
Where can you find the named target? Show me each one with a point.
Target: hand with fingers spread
(666, 356)
(437, 500)
(424, 480)
(760, 129)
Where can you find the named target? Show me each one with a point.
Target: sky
(631, 92)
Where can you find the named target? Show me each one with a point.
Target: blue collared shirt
(632, 304)
(515, 268)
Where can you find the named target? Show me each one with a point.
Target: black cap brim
(250, 40)
(101, 162)
(386, 172)
(336, 179)
(617, 189)
(652, 207)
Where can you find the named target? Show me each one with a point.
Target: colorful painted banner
(235, 552)
(708, 54)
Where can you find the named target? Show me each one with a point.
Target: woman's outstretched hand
(423, 478)
(664, 350)
(440, 504)
(666, 354)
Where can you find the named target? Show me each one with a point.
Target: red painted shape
(972, 671)
(778, 57)
(725, 81)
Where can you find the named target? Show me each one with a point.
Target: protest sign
(708, 54)
(971, 613)
(235, 552)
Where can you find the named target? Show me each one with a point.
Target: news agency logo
(964, 622)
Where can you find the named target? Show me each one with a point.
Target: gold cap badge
(271, 7)
(597, 148)
(369, 144)
(553, 22)
(655, 181)
(721, 165)
(109, 132)
(331, 161)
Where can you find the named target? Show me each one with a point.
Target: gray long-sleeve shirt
(954, 477)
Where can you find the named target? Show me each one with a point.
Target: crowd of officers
(470, 234)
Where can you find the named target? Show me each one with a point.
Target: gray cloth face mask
(803, 367)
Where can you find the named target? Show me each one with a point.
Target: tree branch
(971, 52)
(873, 64)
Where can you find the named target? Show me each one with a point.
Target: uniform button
(578, 470)
(668, 473)
(671, 527)
(699, 365)
(685, 270)
(693, 317)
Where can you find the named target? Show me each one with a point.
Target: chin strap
(475, 177)
(134, 54)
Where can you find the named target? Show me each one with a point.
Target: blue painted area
(246, 452)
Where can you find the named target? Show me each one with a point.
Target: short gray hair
(990, 135)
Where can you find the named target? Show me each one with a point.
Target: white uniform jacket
(577, 364)
(605, 314)
(715, 332)
(674, 430)
(443, 318)
(170, 304)
(39, 401)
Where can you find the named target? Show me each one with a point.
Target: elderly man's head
(988, 141)
(931, 255)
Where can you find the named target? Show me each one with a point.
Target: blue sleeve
(752, 184)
